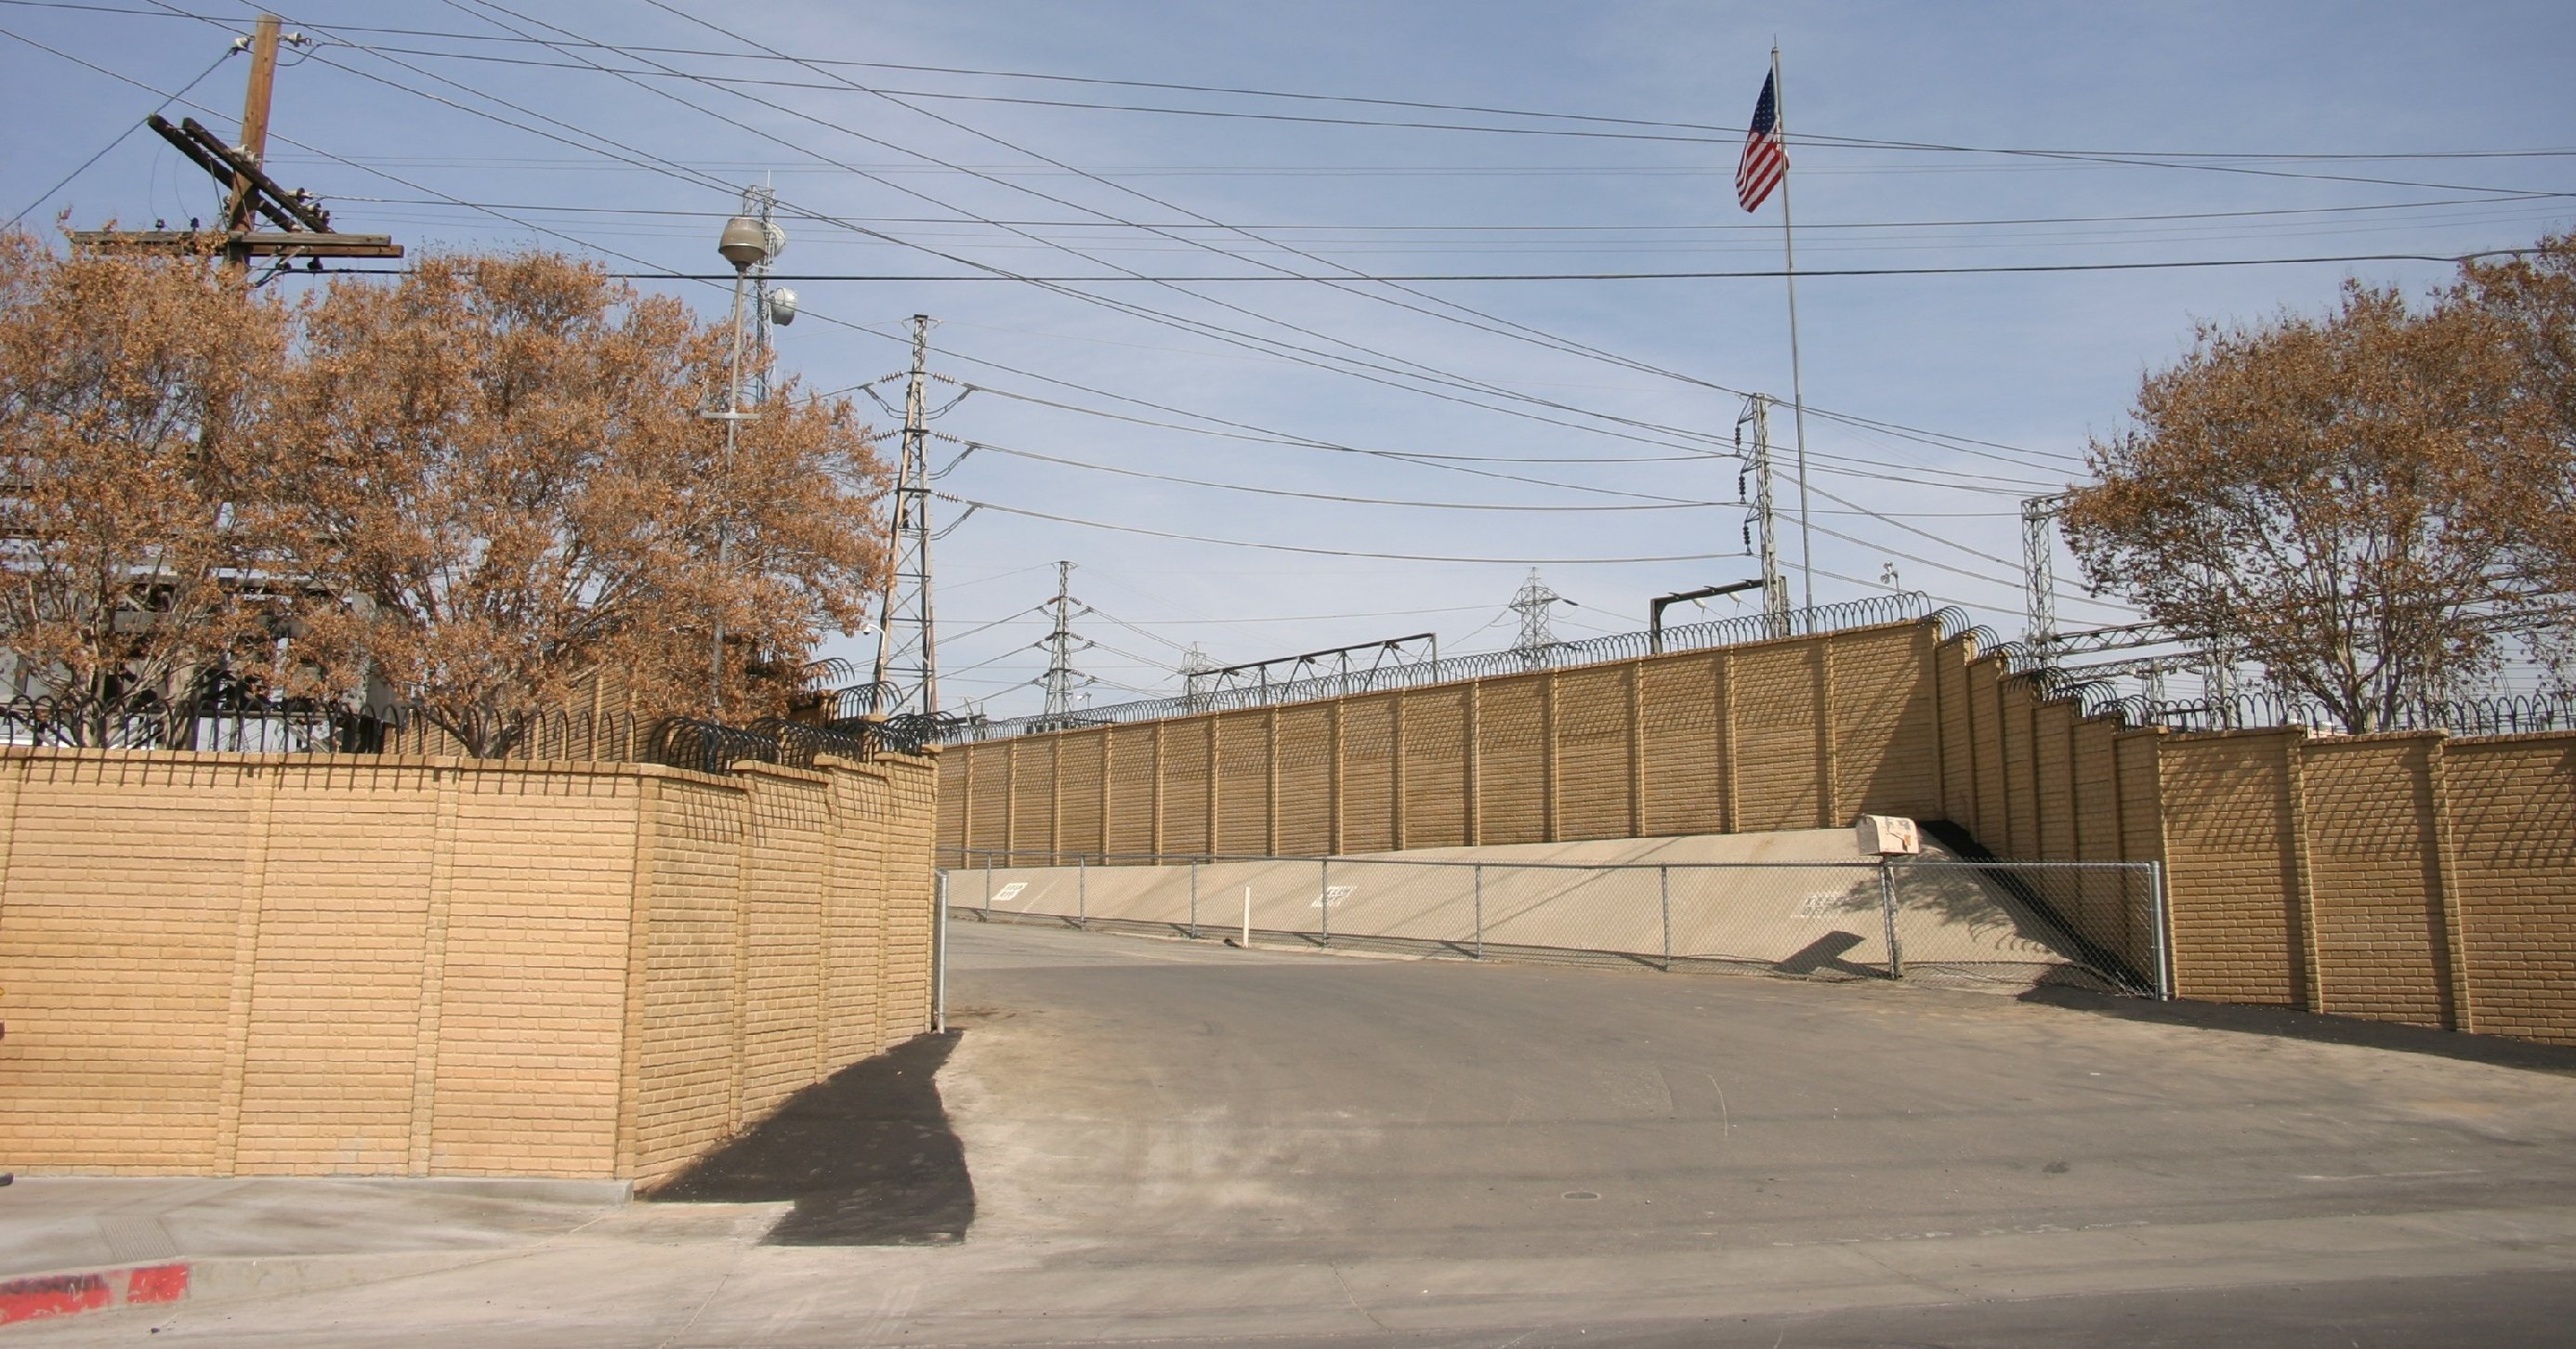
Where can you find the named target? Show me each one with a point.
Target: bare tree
(2305, 495)
(505, 488)
(133, 392)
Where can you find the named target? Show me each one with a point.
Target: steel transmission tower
(1537, 639)
(1060, 678)
(2039, 568)
(907, 671)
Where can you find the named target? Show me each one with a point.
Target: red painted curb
(50, 1295)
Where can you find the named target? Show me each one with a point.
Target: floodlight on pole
(747, 242)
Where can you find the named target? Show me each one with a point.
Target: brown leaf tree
(2302, 494)
(2527, 307)
(133, 396)
(505, 489)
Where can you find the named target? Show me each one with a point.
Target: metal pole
(724, 514)
(988, 886)
(1887, 909)
(1247, 918)
(2163, 935)
(1194, 898)
(1664, 894)
(1797, 385)
(1480, 910)
(939, 984)
(1081, 894)
(1775, 592)
(1324, 895)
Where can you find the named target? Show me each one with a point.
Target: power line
(2015, 487)
(61, 182)
(1288, 227)
(1724, 134)
(1507, 328)
(1742, 274)
(1660, 504)
(1371, 371)
(1319, 552)
(1358, 369)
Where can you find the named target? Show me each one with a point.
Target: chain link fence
(2096, 925)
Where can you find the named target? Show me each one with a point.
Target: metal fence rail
(2097, 924)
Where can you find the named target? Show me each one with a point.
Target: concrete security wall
(2419, 878)
(221, 964)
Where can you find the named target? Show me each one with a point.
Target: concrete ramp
(1805, 903)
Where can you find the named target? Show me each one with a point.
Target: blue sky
(2254, 132)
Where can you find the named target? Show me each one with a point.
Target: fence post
(1887, 910)
(988, 885)
(1480, 910)
(1194, 899)
(1664, 894)
(1324, 894)
(1081, 894)
(939, 966)
(2164, 933)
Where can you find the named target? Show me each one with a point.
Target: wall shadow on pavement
(2295, 1024)
(867, 1155)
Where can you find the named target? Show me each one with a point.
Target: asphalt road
(1176, 1142)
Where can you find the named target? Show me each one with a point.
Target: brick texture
(2422, 879)
(240, 965)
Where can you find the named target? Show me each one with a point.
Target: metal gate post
(1480, 910)
(2164, 933)
(939, 963)
(1664, 893)
(1887, 909)
(1194, 899)
(1324, 894)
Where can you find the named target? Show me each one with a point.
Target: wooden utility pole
(254, 132)
(304, 229)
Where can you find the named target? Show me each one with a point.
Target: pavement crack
(1908, 1275)
(1349, 1297)
(731, 1268)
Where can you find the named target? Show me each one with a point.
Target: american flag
(1765, 161)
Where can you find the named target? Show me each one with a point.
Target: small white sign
(1333, 894)
(1008, 892)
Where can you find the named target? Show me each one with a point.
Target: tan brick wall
(1594, 784)
(1512, 760)
(1680, 701)
(2232, 855)
(2375, 880)
(1435, 789)
(1370, 752)
(1886, 741)
(2417, 879)
(1306, 778)
(233, 964)
(2511, 803)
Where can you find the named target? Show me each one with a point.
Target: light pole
(747, 242)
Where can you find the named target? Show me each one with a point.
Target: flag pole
(1797, 386)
